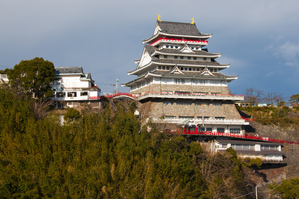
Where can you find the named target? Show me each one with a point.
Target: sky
(259, 38)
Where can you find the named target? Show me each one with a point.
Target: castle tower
(179, 82)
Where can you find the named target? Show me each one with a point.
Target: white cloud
(290, 52)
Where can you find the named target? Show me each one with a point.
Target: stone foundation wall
(156, 109)
(182, 88)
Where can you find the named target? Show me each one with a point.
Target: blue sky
(260, 39)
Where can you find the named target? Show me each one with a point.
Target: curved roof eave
(207, 36)
(213, 55)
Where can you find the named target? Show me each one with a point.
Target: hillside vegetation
(106, 156)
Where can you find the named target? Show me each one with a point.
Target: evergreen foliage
(34, 76)
(105, 156)
(288, 188)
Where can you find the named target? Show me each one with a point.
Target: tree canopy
(105, 156)
(34, 76)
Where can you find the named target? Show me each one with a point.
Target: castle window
(165, 56)
(159, 67)
(194, 58)
(205, 59)
(189, 57)
(176, 47)
(167, 46)
(179, 81)
(219, 118)
(171, 46)
(181, 57)
(220, 130)
(175, 57)
(163, 67)
(235, 130)
(190, 69)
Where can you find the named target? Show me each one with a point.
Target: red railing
(180, 40)
(247, 119)
(252, 137)
(185, 93)
(113, 95)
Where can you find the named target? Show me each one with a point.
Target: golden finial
(159, 18)
(192, 21)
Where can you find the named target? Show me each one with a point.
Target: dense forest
(105, 156)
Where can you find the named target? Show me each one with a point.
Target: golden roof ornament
(192, 20)
(159, 18)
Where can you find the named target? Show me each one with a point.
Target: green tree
(294, 99)
(287, 189)
(34, 75)
(72, 114)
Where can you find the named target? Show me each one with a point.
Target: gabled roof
(64, 70)
(177, 29)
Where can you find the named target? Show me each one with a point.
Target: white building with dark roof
(72, 86)
(266, 151)
(179, 82)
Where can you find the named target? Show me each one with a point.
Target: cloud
(290, 52)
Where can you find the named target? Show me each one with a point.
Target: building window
(179, 81)
(167, 67)
(220, 130)
(176, 47)
(159, 67)
(60, 94)
(209, 129)
(189, 57)
(194, 58)
(190, 69)
(219, 118)
(268, 147)
(182, 68)
(165, 56)
(205, 59)
(243, 146)
(175, 57)
(168, 103)
(181, 57)
(235, 130)
(186, 117)
(84, 93)
(169, 117)
(72, 94)
(167, 46)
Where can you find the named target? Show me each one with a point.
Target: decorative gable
(157, 29)
(186, 49)
(145, 59)
(206, 72)
(176, 70)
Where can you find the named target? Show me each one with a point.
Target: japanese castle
(180, 83)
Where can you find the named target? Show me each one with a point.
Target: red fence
(252, 137)
(113, 95)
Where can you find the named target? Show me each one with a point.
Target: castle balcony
(187, 95)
